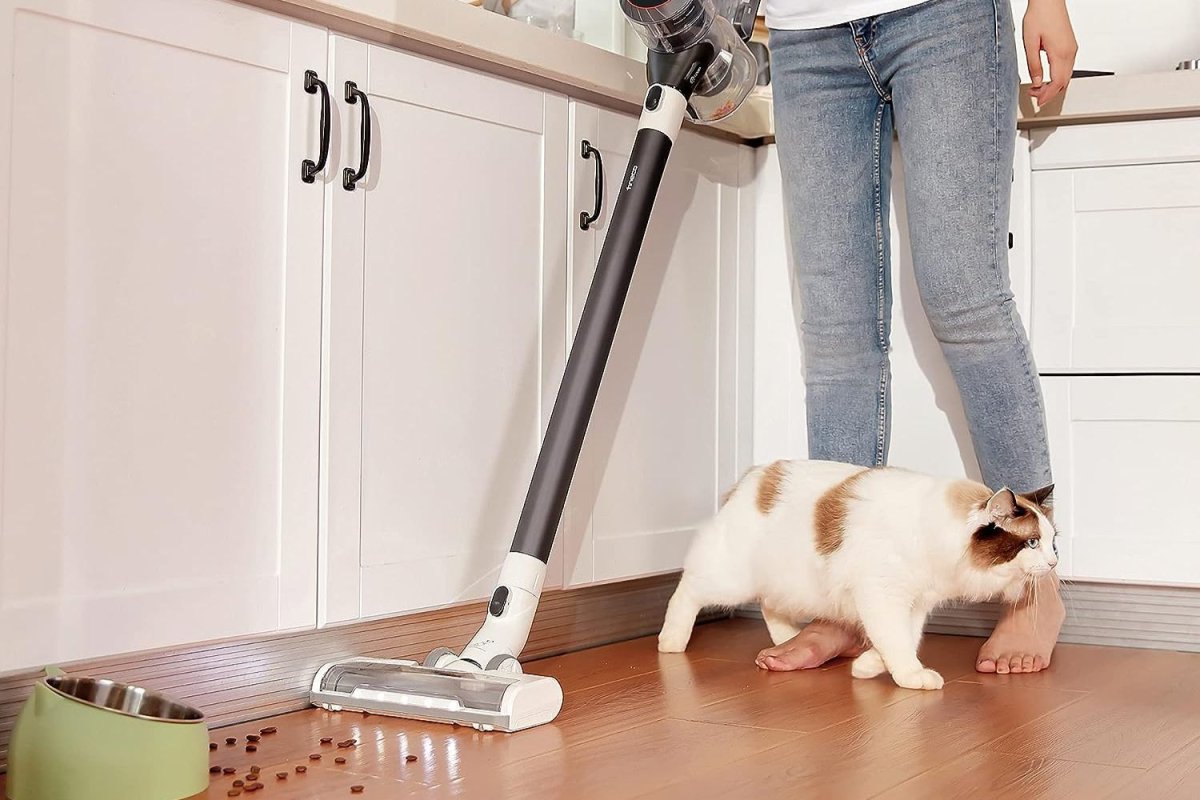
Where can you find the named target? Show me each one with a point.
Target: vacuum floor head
(484, 700)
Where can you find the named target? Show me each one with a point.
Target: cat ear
(1043, 497)
(1003, 504)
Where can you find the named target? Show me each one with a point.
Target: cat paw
(670, 642)
(918, 679)
(868, 665)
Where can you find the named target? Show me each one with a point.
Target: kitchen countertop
(458, 32)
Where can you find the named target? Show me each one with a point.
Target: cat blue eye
(1032, 544)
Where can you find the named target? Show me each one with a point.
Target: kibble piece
(254, 787)
(314, 757)
(233, 792)
(238, 784)
(230, 740)
(214, 769)
(250, 748)
(410, 758)
(212, 745)
(339, 760)
(229, 770)
(357, 789)
(326, 739)
(253, 737)
(281, 776)
(268, 731)
(301, 769)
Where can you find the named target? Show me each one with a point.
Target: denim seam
(860, 47)
(1031, 382)
(880, 278)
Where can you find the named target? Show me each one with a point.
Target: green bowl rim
(46, 682)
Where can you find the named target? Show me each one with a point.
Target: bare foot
(1025, 635)
(817, 643)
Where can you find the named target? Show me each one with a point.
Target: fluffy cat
(878, 548)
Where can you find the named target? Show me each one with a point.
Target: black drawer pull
(586, 219)
(308, 167)
(350, 178)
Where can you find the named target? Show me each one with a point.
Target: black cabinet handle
(309, 168)
(350, 178)
(586, 219)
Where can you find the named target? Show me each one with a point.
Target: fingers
(1061, 65)
(1033, 57)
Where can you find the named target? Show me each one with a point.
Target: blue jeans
(943, 74)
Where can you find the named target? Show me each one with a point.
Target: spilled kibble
(214, 769)
(410, 758)
(268, 731)
(251, 748)
(357, 789)
(326, 739)
(212, 745)
(233, 792)
(230, 740)
(339, 760)
(314, 757)
(229, 770)
(238, 784)
(301, 769)
(281, 776)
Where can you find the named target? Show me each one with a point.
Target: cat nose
(1052, 562)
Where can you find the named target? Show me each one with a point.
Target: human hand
(1047, 27)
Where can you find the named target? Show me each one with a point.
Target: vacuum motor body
(706, 40)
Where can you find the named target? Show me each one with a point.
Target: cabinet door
(1116, 256)
(1126, 456)
(447, 328)
(663, 440)
(160, 324)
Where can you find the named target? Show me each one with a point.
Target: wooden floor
(1103, 722)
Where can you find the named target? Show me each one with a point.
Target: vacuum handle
(350, 178)
(310, 168)
(580, 385)
(586, 219)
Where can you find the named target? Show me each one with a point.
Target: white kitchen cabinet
(160, 324)
(446, 327)
(1117, 254)
(1126, 453)
(665, 437)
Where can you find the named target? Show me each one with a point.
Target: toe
(985, 665)
(1002, 665)
(1027, 664)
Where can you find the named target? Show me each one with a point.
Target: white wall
(1126, 36)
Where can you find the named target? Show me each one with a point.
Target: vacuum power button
(653, 97)
(499, 601)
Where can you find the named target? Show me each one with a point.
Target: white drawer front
(1116, 269)
(1126, 456)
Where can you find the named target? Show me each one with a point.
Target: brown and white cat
(880, 548)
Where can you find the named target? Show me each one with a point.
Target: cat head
(1013, 536)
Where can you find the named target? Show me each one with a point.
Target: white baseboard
(1151, 617)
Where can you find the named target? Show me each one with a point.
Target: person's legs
(951, 67)
(834, 132)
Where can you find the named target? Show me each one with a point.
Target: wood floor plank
(984, 774)
(1177, 776)
(623, 765)
(879, 749)
(1137, 718)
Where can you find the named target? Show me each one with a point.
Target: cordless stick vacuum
(698, 65)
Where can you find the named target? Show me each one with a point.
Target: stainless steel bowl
(1192, 64)
(124, 699)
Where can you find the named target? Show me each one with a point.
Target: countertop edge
(459, 33)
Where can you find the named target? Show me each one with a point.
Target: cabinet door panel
(654, 459)
(1115, 277)
(457, 300)
(161, 326)
(1126, 452)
